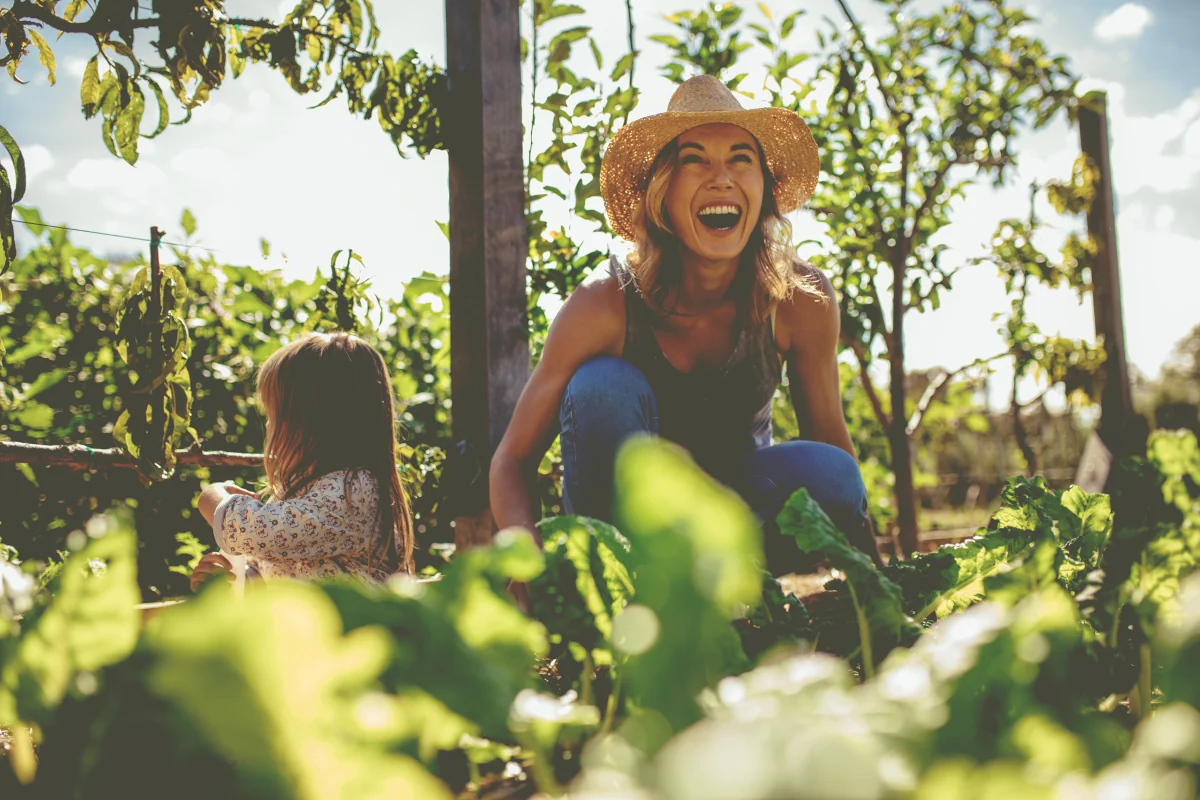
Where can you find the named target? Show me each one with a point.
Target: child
(336, 504)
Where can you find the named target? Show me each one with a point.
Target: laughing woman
(688, 336)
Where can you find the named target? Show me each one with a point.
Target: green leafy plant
(196, 45)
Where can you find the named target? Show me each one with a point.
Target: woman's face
(715, 195)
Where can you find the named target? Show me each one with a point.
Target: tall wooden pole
(1116, 400)
(489, 344)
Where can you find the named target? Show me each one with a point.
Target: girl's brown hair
(329, 405)
(770, 270)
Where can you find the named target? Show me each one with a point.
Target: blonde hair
(774, 271)
(328, 398)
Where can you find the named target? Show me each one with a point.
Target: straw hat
(786, 142)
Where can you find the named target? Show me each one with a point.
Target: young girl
(336, 504)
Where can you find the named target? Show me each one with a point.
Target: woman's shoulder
(597, 305)
(607, 282)
(810, 311)
(810, 282)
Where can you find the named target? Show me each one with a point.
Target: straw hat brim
(787, 145)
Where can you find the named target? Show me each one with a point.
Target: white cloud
(75, 67)
(1140, 145)
(37, 161)
(141, 182)
(1160, 276)
(1127, 22)
(260, 99)
(201, 162)
(1164, 217)
(1191, 140)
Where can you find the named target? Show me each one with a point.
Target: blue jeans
(608, 400)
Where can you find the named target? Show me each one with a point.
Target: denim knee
(612, 394)
(606, 401)
(828, 473)
(841, 490)
(831, 477)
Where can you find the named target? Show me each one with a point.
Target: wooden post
(1116, 400)
(155, 273)
(489, 344)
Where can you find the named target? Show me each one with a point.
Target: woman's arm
(591, 323)
(807, 330)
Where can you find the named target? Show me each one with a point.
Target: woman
(687, 338)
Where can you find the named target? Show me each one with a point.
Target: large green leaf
(471, 596)
(1095, 524)
(878, 602)
(585, 584)
(427, 654)
(271, 684)
(90, 621)
(1179, 646)
(697, 557)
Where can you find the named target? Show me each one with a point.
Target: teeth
(719, 210)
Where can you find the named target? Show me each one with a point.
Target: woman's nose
(721, 179)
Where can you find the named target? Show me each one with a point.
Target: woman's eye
(743, 159)
(690, 160)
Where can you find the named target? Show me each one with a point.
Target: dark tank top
(718, 413)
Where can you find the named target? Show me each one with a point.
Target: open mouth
(720, 217)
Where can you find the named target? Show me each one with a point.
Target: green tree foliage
(11, 191)
(316, 47)
(570, 119)
(1076, 365)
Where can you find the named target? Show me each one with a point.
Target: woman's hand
(519, 592)
(210, 564)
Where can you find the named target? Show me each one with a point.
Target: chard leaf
(878, 601)
(585, 585)
(696, 552)
(429, 655)
(952, 577)
(1093, 514)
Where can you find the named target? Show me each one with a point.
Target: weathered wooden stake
(489, 345)
(1116, 400)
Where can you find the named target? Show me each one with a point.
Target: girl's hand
(233, 488)
(210, 564)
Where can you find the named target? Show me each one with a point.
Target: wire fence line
(115, 235)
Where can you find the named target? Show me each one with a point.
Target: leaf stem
(864, 633)
(585, 680)
(610, 708)
(1145, 687)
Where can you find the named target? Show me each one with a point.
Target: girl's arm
(591, 323)
(216, 493)
(316, 524)
(807, 330)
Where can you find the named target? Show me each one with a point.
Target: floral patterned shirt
(324, 531)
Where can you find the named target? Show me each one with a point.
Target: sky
(256, 163)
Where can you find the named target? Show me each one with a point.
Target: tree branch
(28, 10)
(862, 40)
(868, 387)
(931, 193)
(81, 457)
(936, 386)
